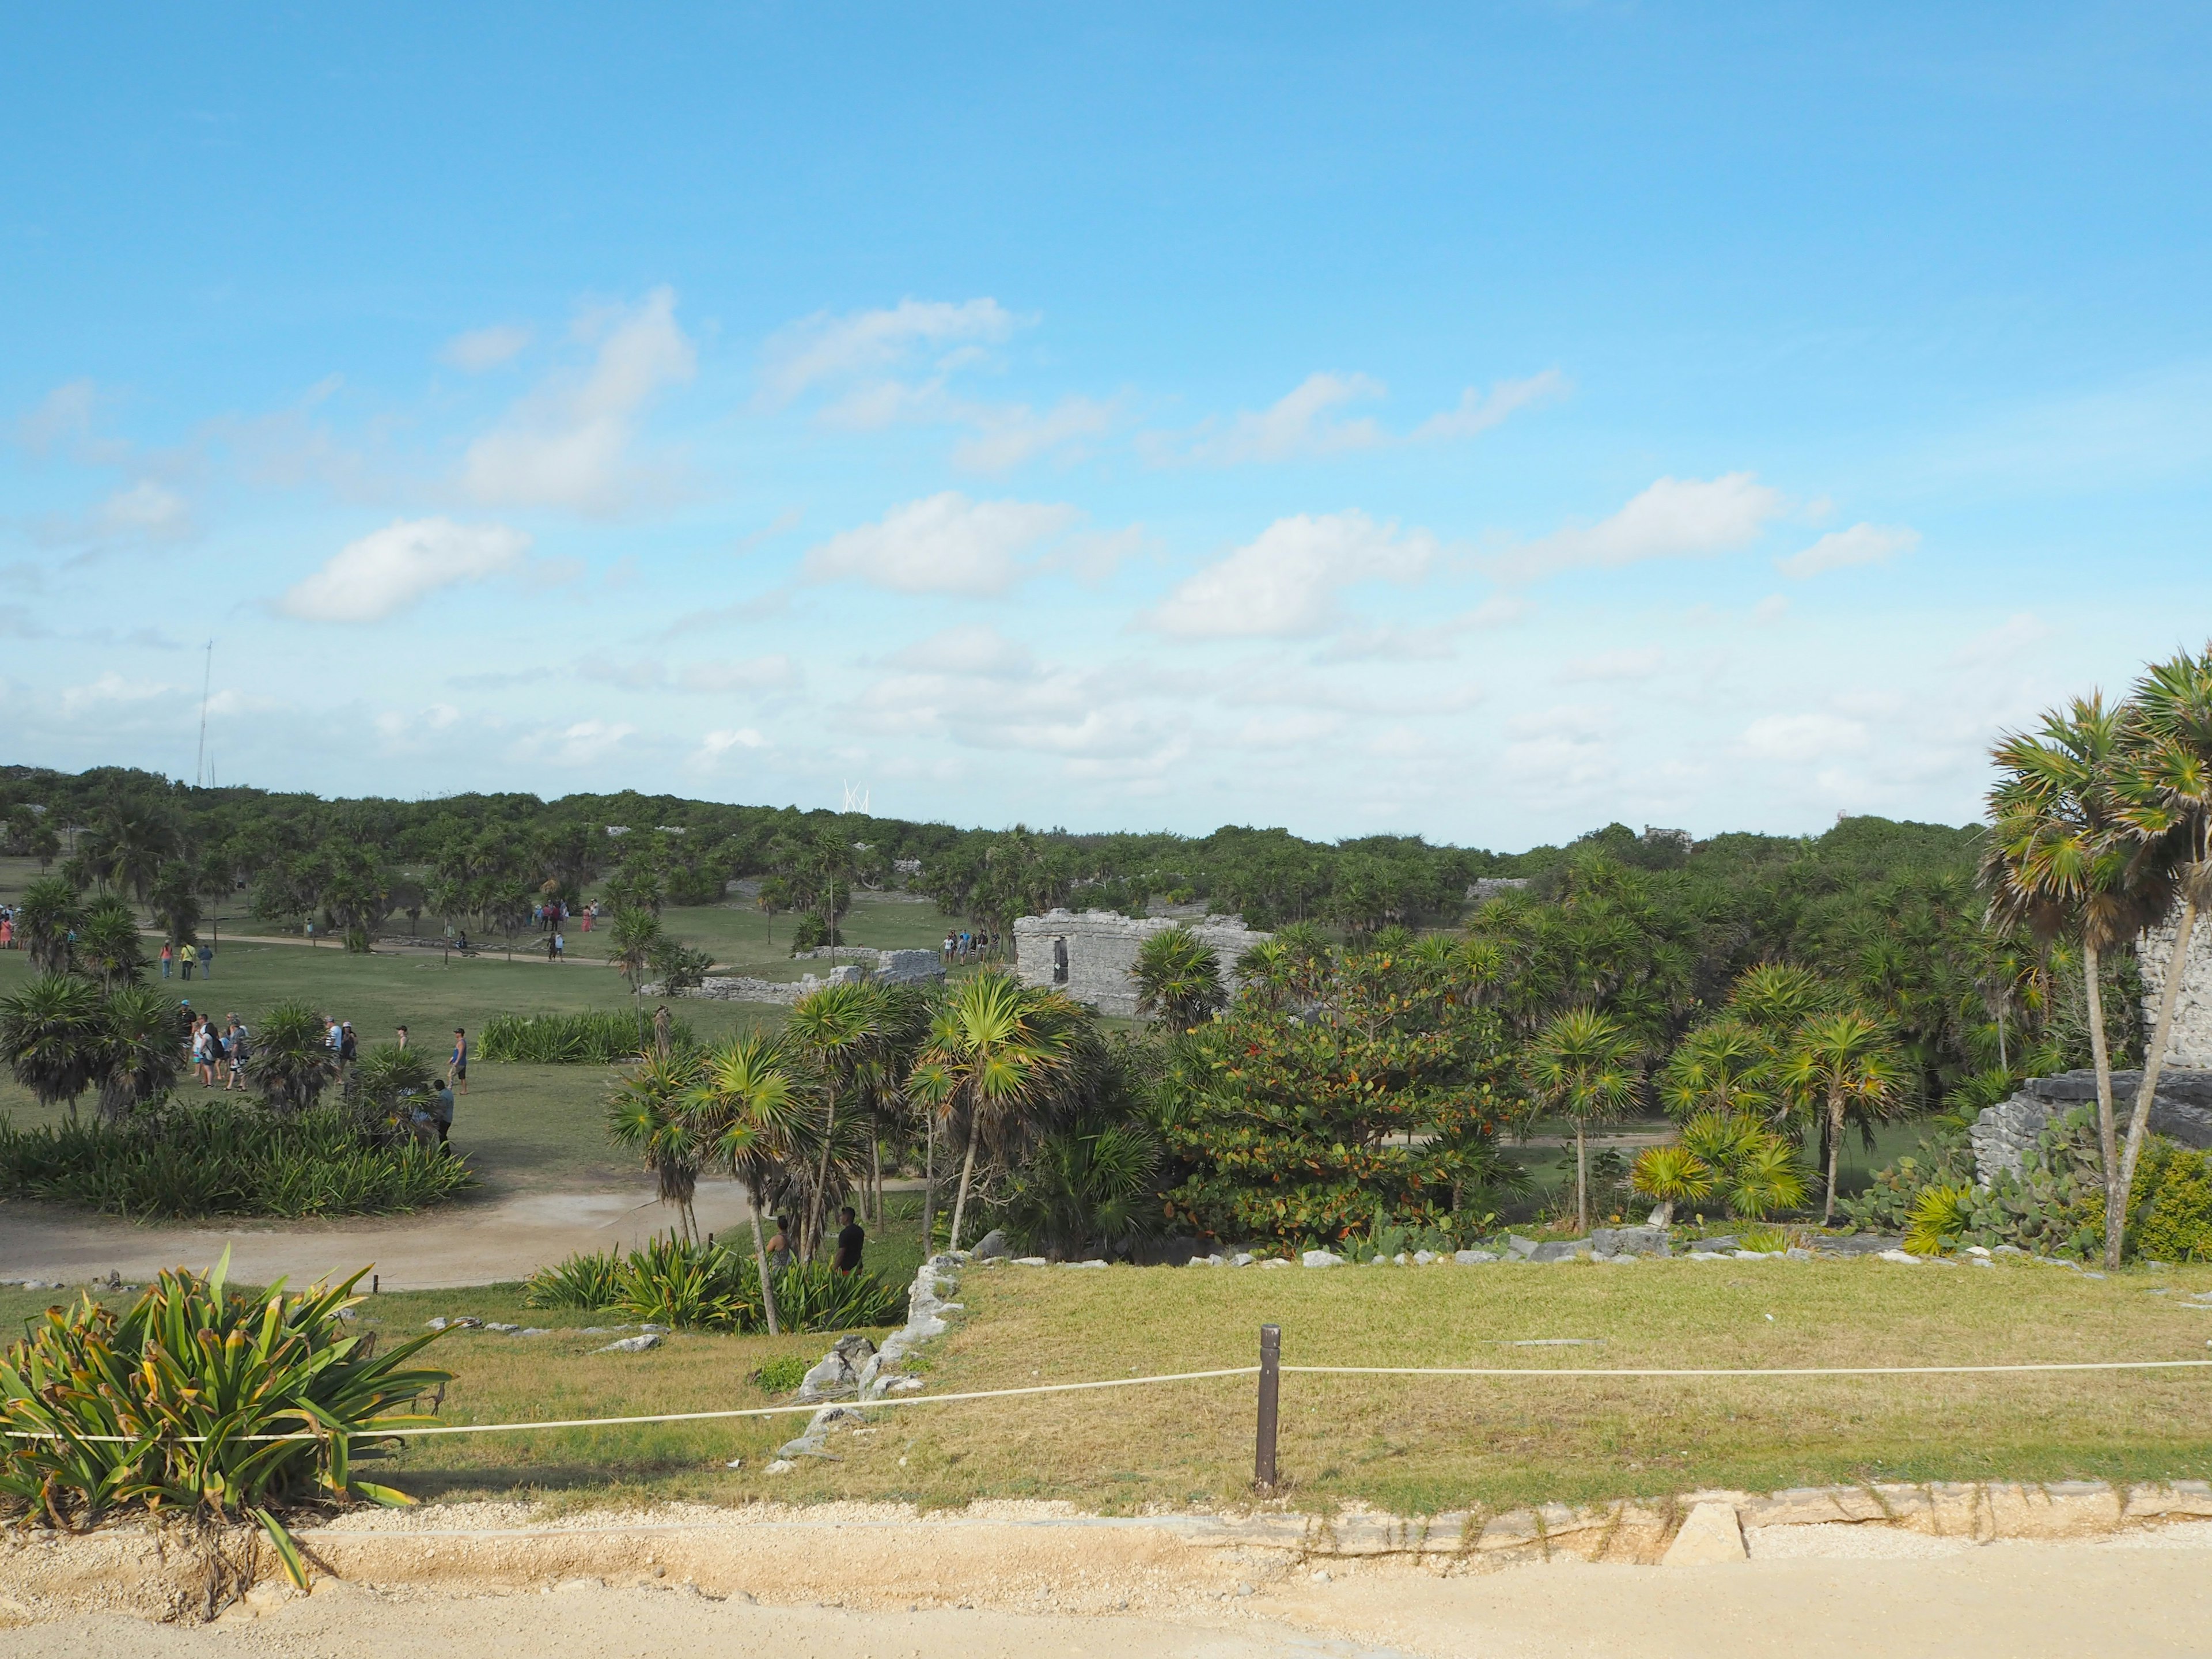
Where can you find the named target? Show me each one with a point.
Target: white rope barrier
(429, 1430)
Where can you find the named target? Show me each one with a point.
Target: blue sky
(1481, 420)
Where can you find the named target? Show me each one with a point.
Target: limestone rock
(1470, 1258)
(638, 1344)
(1560, 1249)
(1902, 1258)
(1320, 1259)
(1710, 1536)
(993, 1243)
(1629, 1241)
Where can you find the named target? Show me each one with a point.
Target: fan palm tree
(635, 937)
(843, 1031)
(1778, 996)
(292, 1062)
(47, 916)
(1847, 1063)
(2168, 806)
(144, 1051)
(2063, 859)
(747, 1108)
(1581, 1067)
(648, 1114)
(107, 946)
(1725, 1066)
(999, 1054)
(1669, 1175)
(1178, 978)
(52, 1033)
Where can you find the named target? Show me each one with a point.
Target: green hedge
(220, 1157)
(604, 1037)
(713, 1287)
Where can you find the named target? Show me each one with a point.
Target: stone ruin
(1089, 954)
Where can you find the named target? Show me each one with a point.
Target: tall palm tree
(144, 1051)
(647, 1113)
(107, 946)
(2169, 808)
(1726, 1066)
(1178, 978)
(844, 1032)
(636, 936)
(2063, 859)
(999, 1053)
(1848, 1063)
(46, 916)
(52, 1033)
(292, 1062)
(747, 1108)
(1581, 1067)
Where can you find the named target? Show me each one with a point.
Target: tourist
(850, 1238)
(457, 1068)
(187, 964)
(441, 1114)
(205, 1050)
(348, 1047)
(403, 1037)
(167, 957)
(240, 1052)
(207, 961)
(779, 1247)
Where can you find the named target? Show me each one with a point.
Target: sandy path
(480, 1242)
(2068, 1601)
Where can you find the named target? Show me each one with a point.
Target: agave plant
(1938, 1216)
(202, 1400)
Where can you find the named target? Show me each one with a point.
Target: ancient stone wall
(1101, 947)
(2003, 1134)
(2190, 1042)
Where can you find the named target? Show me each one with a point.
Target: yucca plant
(691, 1288)
(590, 1279)
(1669, 1175)
(1938, 1216)
(698, 1286)
(203, 1401)
(597, 1037)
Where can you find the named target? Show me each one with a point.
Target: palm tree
(2063, 858)
(52, 1032)
(176, 904)
(843, 1032)
(47, 916)
(292, 1062)
(1581, 1067)
(107, 946)
(647, 1113)
(1178, 977)
(143, 1052)
(636, 936)
(1848, 1062)
(747, 1108)
(2169, 808)
(998, 1055)
(1669, 1175)
(1777, 997)
(1725, 1066)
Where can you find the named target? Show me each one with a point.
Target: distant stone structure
(854, 964)
(2003, 1134)
(1089, 954)
(2190, 1043)
(1489, 887)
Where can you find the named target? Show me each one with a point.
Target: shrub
(2172, 1202)
(1940, 1214)
(782, 1376)
(158, 1409)
(712, 1287)
(812, 932)
(601, 1037)
(220, 1158)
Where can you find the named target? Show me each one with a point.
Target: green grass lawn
(1413, 1446)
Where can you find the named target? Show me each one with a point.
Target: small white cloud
(1638, 664)
(109, 689)
(388, 569)
(1862, 543)
(481, 348)
(1673, 518)
(1804, 737)
(1300, 425)
(944, 544)
(715, 745)
(145, 508)
(1009, 435)
(1386, 643)
(1285, 583)
(567, 444)
(824, 347)
(64, 416)
(972, 648)
(774, 673)
(588, 741)
(1477, 411)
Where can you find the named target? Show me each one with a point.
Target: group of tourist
(173, 954)
(548, 917)
(218, 1053)
(783, 1247)
(966, 947)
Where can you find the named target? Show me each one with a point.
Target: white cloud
(111, 689)
(481, 348)
(773, 673)
(1802, 736)
(388, 569)
(1286, 582)
(145, 508)
(824, 347)
(1009, 435)
(1770, 609)
(715, 745)
(1477, 412)
(64, 416)
(1862, 543)
(944, 544)
(582, 743)
(567, 444)
(1387, 643)
(1673, 518)
(1638, 664)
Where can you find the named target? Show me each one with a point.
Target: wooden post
(375, 1284)
(1271, 1359)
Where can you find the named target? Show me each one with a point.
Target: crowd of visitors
(967, 945)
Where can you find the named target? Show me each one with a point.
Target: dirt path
(2018, 1601)
(482, 1242)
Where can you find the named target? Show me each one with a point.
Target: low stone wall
(1101, 947)
(2003, 1134)
(2190, 1043)
(883, 966)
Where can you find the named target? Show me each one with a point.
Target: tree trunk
(1582, 1182)
(1663, 1215)
(817, 1211)
(2107, 1137)
(928, 1185)
(967, 1172)
(2155, 1049)
(876, 1166)
(760, 1259)
(1833, 1130)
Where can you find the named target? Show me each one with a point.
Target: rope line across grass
(1142, 1382)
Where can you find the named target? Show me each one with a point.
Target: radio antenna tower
(856, 800)
(207, 680)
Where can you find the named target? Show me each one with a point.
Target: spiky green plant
(1668, 1175)
(1939, 1215)
(204, 1400)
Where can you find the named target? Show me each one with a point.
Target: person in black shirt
(849, 1240)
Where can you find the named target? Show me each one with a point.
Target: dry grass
(1412, 1445)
